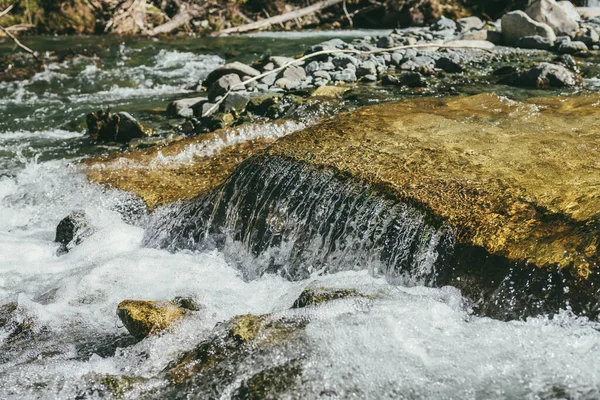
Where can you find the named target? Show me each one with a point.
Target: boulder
(570, 10)
(72, 230)
(236, 67)
(142, 318)
(103, 126)
(183, 107)
(545, 76)
(552, 14)
(344, 60)
(517, 24)
(223, 85)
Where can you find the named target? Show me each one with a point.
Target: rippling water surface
(411, 342)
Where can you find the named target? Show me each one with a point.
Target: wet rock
(517, 24)
(571, 47)
(329, 91)
(385, 42)
(412, 79)
(16, 325)
(567, 60)
(142, 318)
(469, 23)
(534, 42)
(188, 303)
(269, 63)
(588, 35)
(442, 24)
(366, 68)
(235, 68)
(315, 296)
(450, 63)
(545, 76)
(261, 105)
(223, 84)
(553, 15)
(184, 107)
(369, 78)
(19, 66)
(236, 339)
(72, 230)
(312, 67)
(270, 383)
(102, 126)
(235, 102)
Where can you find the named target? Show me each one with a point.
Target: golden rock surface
(520, 179)
(142, 317)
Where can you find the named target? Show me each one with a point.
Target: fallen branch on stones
(336, 51)
(13, 37)
(183, 17)
(280, 19)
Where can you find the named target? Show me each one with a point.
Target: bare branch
(280, 19)
(14, 38)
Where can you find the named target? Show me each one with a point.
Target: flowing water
(411, 341)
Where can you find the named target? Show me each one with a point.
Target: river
(410, 342)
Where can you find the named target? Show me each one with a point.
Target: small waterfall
(297, 220)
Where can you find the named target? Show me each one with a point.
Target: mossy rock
(237, 338)
(142, 318)
(270, 383)
(104, 126)
(320, 295)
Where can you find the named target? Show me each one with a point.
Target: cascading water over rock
(297, 220)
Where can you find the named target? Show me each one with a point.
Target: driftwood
(13, 37)
(183, 17)
(337, 51)
(280, 19)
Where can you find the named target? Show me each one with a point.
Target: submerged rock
(142, 318)
(72, 230)
(209, 366)
(314, 296)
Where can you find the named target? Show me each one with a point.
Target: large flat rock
(519, 179)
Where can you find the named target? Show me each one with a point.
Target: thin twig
(3, 13)
(14, 38)
(337, 51)
(347, 15)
